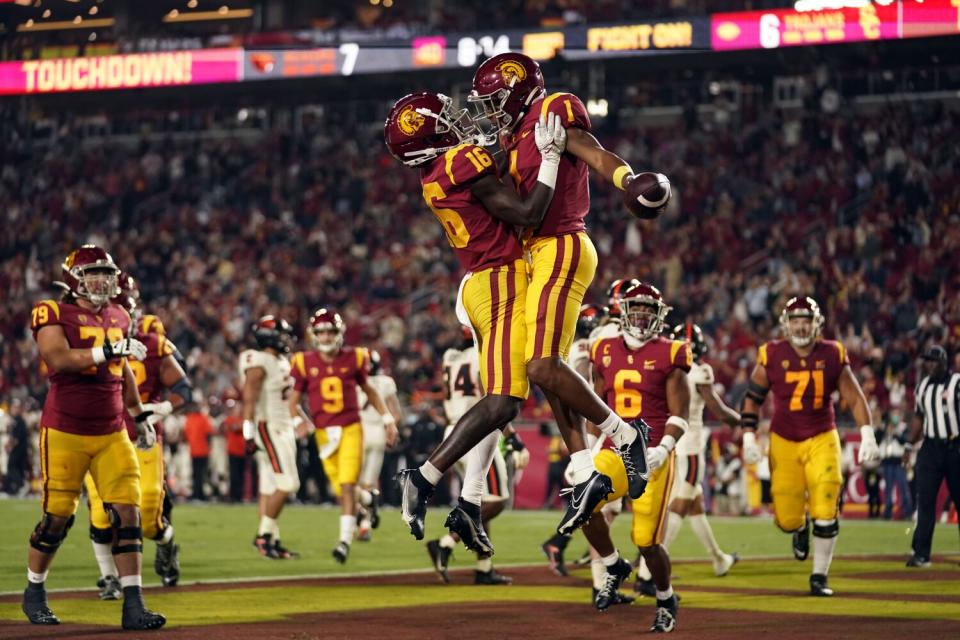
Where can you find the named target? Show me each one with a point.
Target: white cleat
(722, 567)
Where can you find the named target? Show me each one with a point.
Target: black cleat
(918, 562)
(634, 456)
(584, 498)
(490, 578)
(440, 558)
(264, 545)
(282, 552)
(608, 593)
(167, 563)
(415, 492)
(818, 586)
(801, 542)
(374, 509)
(618, 598)
(469, 528)
(341, 552)
(110, 588)
(645, 588)
(555, 557)
(35, 607)
(666, 618)
(139, 618)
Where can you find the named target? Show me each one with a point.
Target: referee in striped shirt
(938, 412)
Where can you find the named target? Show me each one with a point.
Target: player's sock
(366, 498)
(665, 597)
(823, 551)
(447, 541)
(643, 572)
(610, 560)
(598, 571)
(167, 536)
(484, 564)
(617, 430)
(348, 525)
(674, 522)
(104, 559)
(430, 473)
(477, 464)
(583, 466)
(704, 532)
(36, 580)
(267, 525)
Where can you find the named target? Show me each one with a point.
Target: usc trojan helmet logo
(410, 121)
(511, 71)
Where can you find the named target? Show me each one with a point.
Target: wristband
(99, 357)
(620, 174)
(678, 422)
(668, 443)
(142, 416)
(249, 429)
(548, 173)
(749, 420)
(297, 421)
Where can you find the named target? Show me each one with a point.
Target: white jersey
(369, 416)
(461, 378)
(694, 440)
(580, 351)
(272, 405)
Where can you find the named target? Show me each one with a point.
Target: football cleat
(584, 498)
(801, 542)
(110, 588)
(469, 528)
(555, 557)
(723, 566)
(415, 492)
(634, 456)
(665, 620)
(282, 552)
(374, 509)
(440, 558)
(363, 535)
(608, 593)
(916, 561)
(490, 578)
(618, 598)
(264, 545)
(36, 609)
(167, 563)
(138, 618)
(341, 552)
(645, 588)
(818, 586)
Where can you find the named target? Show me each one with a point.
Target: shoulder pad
(570, 109)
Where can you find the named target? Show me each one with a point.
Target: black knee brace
(828, 530)
(46, 541)
(124, 533)
(101, 536)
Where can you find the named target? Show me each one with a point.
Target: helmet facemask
(449, 120)
(642, 319)
(801, 325)
(96, 283)
(491, 108)
(324, 345)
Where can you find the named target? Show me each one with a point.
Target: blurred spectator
(198, 428)
(18, 451)
(236, 451)
(892, 450)
(557, 460)
(728, 494)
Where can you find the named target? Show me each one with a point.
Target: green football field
(215, 541)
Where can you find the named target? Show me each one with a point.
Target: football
(647, 195)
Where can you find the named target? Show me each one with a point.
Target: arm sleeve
(571, 110)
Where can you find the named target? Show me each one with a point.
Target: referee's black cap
(935, 352)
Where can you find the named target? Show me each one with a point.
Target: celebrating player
(509, 89)
(803, 370)
(477, 211)
(157, 372)
(82, 341)
(330, 375)
(268, 428)
(374, 444)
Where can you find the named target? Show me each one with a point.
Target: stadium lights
(192, 4)
(93, 10)
(76, 23)
(197, 16)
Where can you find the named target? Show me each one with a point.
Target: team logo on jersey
(649, 365)
(629, 359)
(511, 71)
(314, 372)
(803, 363)
(113, 321)
(607, 360)
(410, 121)
(821, 364)
(82, 318)
(785, 364)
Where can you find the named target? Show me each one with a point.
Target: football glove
(146, 431)
(869, 451)
(517, 450)
(120, 349)
(162, 409)
(551, 138)
(751, 450)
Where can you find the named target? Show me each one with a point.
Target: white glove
(656, 456)
(551, 138)
(869, 451)
(146, 432)
(521, 459)
(390, 424)
(751, 450)
(568, 474)
(120, 349)
(162, 409)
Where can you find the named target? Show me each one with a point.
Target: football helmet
(326, 320)
(374, 362)
(504, 87)
(643, 313)
(275, 333)
(614, 292)
(591, 315)
(693, 336)
(90, 273)
(801, 307)
(422, 126)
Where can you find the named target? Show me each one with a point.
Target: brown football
(647, 195)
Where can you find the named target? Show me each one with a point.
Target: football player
(330, 375)
(686, 497)
(157, 372)
(84, 345)
(374, 444)
(509, 90)
(268, 427)
(644, 376)
(478, 213)
(485, 483)
(803, 370)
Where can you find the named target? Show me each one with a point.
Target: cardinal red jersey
(478, 239)
(635, 381)
(571, 197)
(331, 386)
(89, 402)
(147, 374)
(802, 386)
